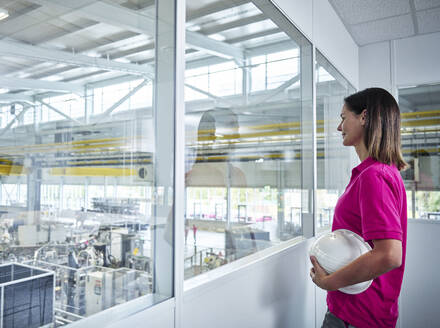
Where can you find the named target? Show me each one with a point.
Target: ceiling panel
(359, 11)
(429, 21)
(370, 21)
(34, 34)
(9, 27)
(426, 4)
(385, 29)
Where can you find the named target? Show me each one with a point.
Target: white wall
(418, 60)
(375, 66)
(275, 292)
(402, 62)
(419, 300)
(320, 24)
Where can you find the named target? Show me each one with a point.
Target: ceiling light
(122, 60)
(3, 14)
(217, 37)
(52, 78)
(93, 54)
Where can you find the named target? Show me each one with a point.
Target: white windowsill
(194, 286)
(426, 221)
(152, 302)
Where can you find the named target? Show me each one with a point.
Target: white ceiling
(370, 21)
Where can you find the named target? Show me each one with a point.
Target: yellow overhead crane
(7, 166)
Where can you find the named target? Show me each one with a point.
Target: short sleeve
(380, 206)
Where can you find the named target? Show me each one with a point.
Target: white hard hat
(336, 249)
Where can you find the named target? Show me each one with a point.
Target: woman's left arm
(385, 256)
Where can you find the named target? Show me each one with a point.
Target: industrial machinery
(96, 260)
(99, 291)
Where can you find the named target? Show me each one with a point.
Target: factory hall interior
(168, 164)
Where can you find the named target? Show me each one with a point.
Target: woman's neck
(361, 151)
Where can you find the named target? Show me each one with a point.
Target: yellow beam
(428, 150)
(432, 113)
(421, 122)
(93, 171)
(113, 162)
(6, 169)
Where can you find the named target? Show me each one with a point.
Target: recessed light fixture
(3, 14)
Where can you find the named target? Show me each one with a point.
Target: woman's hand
(318, 275)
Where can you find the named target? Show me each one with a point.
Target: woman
(373, 206)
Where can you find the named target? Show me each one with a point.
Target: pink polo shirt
(373, 206)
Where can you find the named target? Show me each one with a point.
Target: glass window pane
(225, 82)
(334, 161)
(420, 140)
(87, 157)
(258, 76)
(249, 178)
(277, 72)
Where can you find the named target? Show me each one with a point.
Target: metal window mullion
(306, 86)
(314, 137)
(164, 122)
(179, 161)
(2, 305)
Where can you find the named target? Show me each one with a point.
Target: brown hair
(382, 125)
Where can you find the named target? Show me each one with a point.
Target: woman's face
(352, 127)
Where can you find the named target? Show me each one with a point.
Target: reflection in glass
(334, 161)
(248, 132)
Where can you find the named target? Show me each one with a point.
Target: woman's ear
(364, 117)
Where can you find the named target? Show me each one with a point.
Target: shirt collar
(366, 163)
